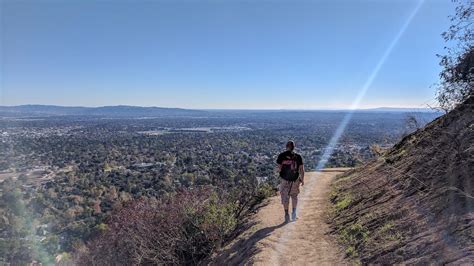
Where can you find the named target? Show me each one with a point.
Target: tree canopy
(457, 76)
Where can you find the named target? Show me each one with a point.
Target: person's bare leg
(294, 203)
(286, 205)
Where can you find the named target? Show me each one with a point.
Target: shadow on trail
(243, 250)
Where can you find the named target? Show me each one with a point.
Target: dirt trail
(268, 241)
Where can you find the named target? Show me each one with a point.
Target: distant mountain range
(401, 109)
(106, 111)
(138, 111)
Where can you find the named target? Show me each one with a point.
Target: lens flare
(355, 104)
(342, 126)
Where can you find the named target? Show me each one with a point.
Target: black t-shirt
(287, 155)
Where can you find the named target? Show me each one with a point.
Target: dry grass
(413, 205)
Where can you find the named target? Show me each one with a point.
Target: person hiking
(291, 168)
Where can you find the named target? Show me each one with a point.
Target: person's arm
(279, 163)
(301, 170)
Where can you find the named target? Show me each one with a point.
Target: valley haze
(131, 111)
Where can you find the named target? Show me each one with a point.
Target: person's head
(290, 145)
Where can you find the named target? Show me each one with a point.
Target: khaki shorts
(289, 189)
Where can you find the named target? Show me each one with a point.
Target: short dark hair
(290, 143)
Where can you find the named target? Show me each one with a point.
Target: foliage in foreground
(181, 229)
(457, 76)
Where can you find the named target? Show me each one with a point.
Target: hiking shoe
(287, 218)
(293, 216)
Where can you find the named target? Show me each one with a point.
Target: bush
(354, 236)
(343, 203)
(182, 229)
(265, 190)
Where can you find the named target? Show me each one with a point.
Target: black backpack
(289, 169)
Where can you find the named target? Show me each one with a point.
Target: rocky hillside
(415, 203)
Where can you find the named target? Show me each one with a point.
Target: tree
(457, 76)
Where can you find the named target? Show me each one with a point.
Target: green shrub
(354, 236)
(343, 203)
(264, 191)
(388, 231)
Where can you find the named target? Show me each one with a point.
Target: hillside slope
(414, 204)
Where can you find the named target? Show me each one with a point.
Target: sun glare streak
(363, 91)
(345, 121)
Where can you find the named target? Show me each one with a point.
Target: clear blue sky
(219, 54)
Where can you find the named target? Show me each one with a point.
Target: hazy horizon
(230, 109)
